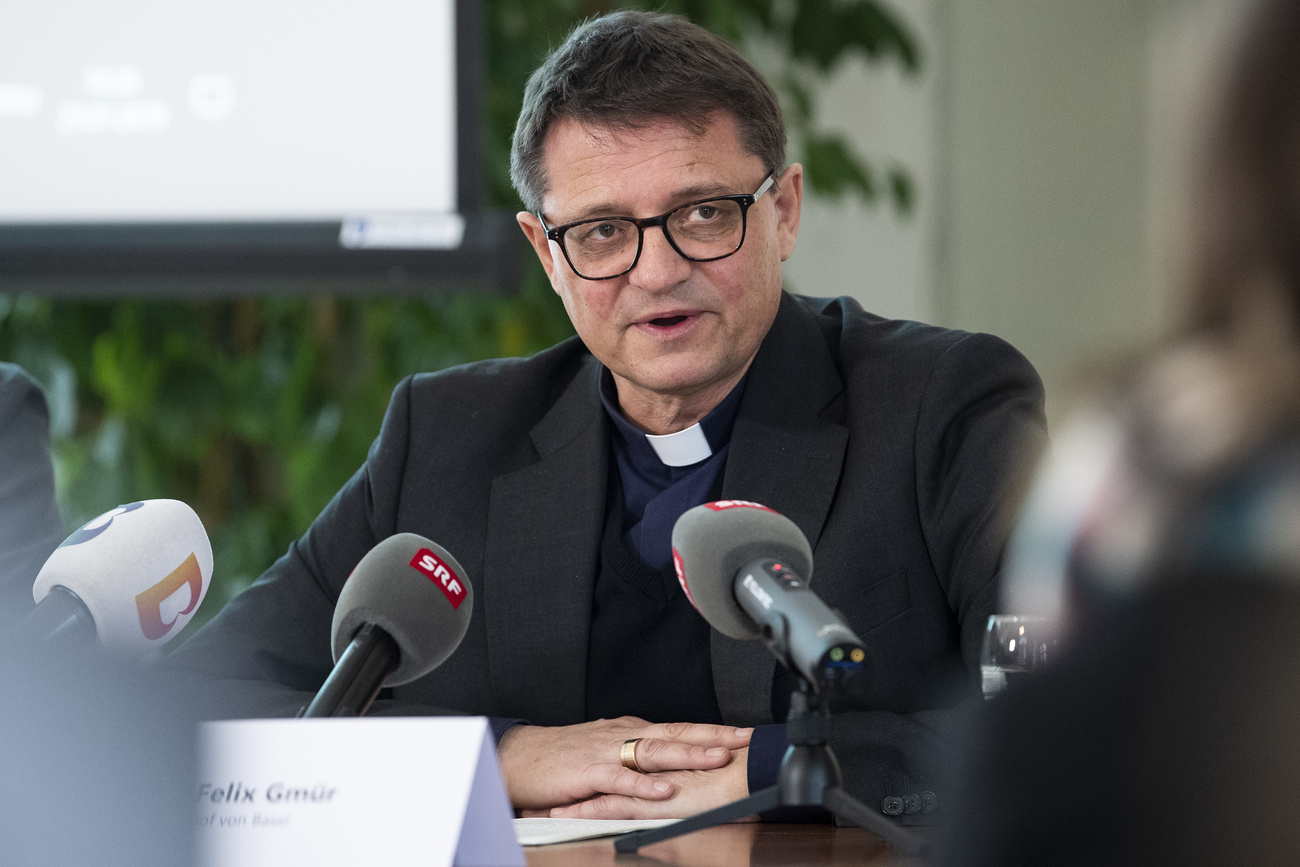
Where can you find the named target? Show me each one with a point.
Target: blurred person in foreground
(95, 754)
(96, 760)
(650, 157)
(1164, 536)
(30, 526)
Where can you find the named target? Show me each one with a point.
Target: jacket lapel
(785, 455)
(542, 554)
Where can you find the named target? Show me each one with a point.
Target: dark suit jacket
(893, 445)
(30, 527)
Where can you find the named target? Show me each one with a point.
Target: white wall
(870, 251)
(1044, 178)
(1050, 141)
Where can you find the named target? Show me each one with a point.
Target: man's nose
(660, 265)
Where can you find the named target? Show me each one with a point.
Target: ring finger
(649, 755)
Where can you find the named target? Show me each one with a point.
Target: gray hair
(626, 70)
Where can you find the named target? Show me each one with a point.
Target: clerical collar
(681, 449)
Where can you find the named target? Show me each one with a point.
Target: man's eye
(602, 232)
(704, 213)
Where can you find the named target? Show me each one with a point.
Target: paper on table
(541, 831)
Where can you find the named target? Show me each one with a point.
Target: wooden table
(737, 845)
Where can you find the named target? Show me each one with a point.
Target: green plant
(810, 38)
(256, 410)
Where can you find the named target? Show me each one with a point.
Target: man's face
(669, 327)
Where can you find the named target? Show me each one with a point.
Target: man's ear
(536, 235)
(789, 202)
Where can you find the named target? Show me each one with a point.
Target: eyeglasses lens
(704, 230)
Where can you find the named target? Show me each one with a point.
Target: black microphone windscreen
(713, 541)
(417, 593)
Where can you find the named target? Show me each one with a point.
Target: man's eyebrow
(687, 194)
(704, 191)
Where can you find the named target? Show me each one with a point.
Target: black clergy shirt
(648, 654)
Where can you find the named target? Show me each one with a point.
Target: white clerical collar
(683, 448)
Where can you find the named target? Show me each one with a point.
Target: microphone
(131, 578)
(744, 567)
(401, 613)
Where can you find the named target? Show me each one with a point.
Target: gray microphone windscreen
(417, 593)
(713, 541)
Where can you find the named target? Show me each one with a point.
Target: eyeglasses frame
(745, 200)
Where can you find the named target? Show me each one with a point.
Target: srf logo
(440, 573)
(723, 505)
(681, 576)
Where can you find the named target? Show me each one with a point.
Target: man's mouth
(667, 321)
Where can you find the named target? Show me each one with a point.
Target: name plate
(393, 791)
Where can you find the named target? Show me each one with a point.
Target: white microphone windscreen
(141, 569)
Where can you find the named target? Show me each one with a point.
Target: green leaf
(800, 98)
(823, 31)
(831, 169)
(903, 190)
(878, 34)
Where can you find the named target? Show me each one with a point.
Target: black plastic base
(810, 777)
(839, 802)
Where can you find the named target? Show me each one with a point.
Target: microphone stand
(810, 777)
(60, 619)
(358, 677)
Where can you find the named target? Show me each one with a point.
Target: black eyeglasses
(607, 247)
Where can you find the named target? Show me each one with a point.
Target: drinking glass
(1014, 646)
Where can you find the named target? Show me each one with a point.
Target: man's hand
(547, 767)
(696, 791)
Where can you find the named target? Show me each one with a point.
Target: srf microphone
(131, 578)
(402, 612)
(744, 567)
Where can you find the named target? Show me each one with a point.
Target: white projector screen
(132, 129)
(226, 109)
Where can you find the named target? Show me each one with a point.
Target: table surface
(736, 845)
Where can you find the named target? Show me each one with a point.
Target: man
(30, 526)
(650, 157)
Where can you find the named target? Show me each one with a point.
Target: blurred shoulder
(17, 385)
(22, 400)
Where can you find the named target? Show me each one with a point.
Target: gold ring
(627, 755)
